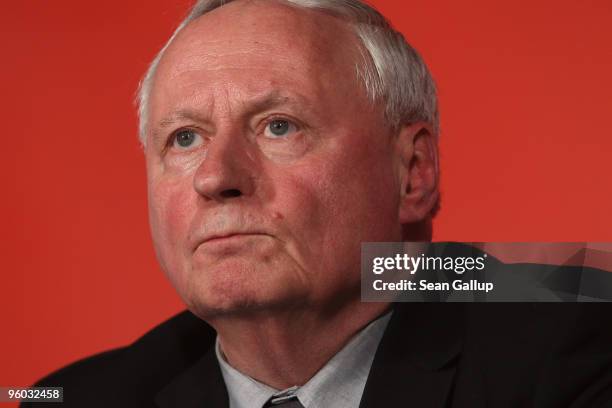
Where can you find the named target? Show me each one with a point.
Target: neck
(288, 348)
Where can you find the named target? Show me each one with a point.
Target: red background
(525, 97)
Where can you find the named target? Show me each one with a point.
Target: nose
(226, 172)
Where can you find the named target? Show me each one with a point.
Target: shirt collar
(243, 391)
(339, 383)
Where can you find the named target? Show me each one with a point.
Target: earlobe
(419, 172)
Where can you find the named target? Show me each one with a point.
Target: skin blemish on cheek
(277, 215)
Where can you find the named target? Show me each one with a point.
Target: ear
(417, 150)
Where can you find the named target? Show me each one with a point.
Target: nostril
(231, 193)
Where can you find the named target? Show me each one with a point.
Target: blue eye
(279, 128)
(186, 138)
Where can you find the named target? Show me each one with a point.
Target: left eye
(279, 128)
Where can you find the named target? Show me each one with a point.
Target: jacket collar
(200, 386)
(416, 360)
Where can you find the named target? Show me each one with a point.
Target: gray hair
(394, 74)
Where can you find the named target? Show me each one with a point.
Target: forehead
(259, 41)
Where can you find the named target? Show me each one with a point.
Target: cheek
(356, 189)
(170, 212)
(332, 205)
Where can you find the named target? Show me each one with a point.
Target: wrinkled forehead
(253, 33)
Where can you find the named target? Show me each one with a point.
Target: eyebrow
(250, 107)
(174, 117)
(273, 99)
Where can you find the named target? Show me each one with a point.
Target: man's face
(267, 165)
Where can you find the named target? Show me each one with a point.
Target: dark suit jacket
(431, 355)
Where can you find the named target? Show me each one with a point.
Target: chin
(236, 289)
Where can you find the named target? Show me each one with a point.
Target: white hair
(393, 73)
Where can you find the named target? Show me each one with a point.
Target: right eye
(186, 138)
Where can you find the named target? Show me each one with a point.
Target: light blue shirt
(339, 384)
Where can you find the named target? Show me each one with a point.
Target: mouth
(229, 238)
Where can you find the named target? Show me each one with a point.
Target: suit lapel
(200, 386)
(415, 362)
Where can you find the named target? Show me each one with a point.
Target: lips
(218, 237)
(229, 235)
(221, 224)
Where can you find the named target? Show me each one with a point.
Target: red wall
(525, 96)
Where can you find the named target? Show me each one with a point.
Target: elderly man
(279, 136)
